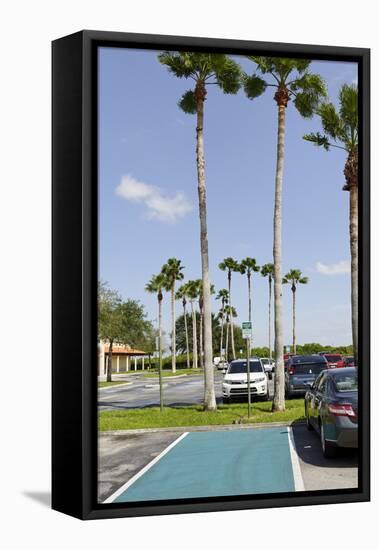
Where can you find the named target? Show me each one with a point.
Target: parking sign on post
(246, 330)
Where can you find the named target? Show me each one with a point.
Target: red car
(334, 360)
(349, 361)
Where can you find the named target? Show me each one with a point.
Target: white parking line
(144, 470)
(296, 470)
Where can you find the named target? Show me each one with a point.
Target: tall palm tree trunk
(160, 351)
(186, 331)
(354, 265)
(231, 318)
(173, 329)
(278, 403)
(294, 320)
(209, 389)
(201, 339)
(109, 362)
(269, 315)
(227, 341)
(194, 338)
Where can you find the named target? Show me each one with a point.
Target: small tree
(294, 277)
(109, 320)
(230, 265)
(230, 313)
(172, 270)
(249, 266)
(222, 295)
(267, 270)
(182, 295)
(155, 286)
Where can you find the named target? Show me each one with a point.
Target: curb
(114, 386)
(218, 427)
(168, 377)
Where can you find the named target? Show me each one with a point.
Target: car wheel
(327, 449)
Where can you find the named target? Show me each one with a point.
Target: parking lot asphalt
(220, 462)
(144, 392)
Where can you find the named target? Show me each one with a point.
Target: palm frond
(348, 98)
(330, 120)
(254, 86)
(309, 90)
(318, 139)
(188, 102)
(180, 64)
(227, 72)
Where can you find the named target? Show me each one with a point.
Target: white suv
(235, 380)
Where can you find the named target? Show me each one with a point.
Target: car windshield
(349, 360)
(240, 367)
(307, 368)
(332, 357)
(346, 382)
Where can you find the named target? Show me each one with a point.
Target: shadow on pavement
(308, 448)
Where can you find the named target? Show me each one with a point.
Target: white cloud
(158, 205)
(339, 268)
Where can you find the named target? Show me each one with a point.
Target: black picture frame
(74, 273)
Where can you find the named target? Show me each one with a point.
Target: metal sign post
(246, 333)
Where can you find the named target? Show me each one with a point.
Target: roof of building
(123, 350)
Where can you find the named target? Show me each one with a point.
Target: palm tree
(294, 277)
(291, 80)
(203, 69)
(230, 265)
(267, 270)
(172, 270)
(222, 295)
(181, 294)
(249, 266)
(193, 293)
(155, 286)
(341, 132)
(230, 313)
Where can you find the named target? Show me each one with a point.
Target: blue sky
(148, 208)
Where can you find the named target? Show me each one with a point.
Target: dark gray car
(301, 372)
(331, 408)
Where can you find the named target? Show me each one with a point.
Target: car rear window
(240, 367)
(307, 368)
(346, 382)
(332, 358)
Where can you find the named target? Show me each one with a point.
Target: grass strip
(172, 417)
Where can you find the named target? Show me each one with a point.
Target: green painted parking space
(219, 463)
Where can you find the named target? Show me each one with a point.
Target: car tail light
(291, 370)
(342, 410)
